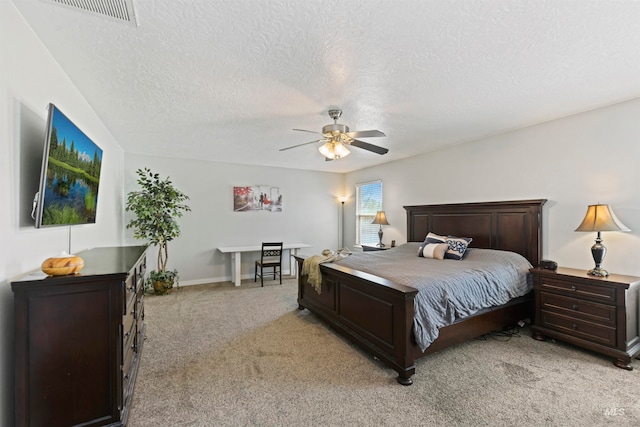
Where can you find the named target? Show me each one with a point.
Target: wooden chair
(271, 256)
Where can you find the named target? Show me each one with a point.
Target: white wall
(29, 80)
(573, 162)
(310, 213)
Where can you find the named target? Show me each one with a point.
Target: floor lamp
(342, 199)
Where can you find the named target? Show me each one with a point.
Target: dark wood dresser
(78, 340)
(596, 313)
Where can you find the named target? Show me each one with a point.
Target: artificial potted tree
(157, 206)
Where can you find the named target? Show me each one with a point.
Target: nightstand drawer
(578, 328)
(579, 290)
(577, 308)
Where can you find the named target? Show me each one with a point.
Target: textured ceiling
(228, 80)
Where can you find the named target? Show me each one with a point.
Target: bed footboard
(348, 298)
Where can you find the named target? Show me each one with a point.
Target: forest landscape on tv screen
(70, 174)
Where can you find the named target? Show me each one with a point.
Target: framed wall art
(257, 198)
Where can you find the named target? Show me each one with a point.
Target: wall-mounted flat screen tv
(70, 175)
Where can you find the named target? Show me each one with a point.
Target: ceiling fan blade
(310, 131)
(326, 159)
(370, 147)
(365, 134)
(300, 145)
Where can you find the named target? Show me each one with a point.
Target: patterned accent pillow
(457, 247)
(434, 250)
(431, 238)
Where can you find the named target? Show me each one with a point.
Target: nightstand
(596, 313)
(370, 248)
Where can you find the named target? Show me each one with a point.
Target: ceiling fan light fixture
(341, 150)
(334, 150)
(327, 150)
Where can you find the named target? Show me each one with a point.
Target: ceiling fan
(336, 137)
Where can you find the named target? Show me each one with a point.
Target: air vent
(120, 10)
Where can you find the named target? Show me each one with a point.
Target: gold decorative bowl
(62, 265)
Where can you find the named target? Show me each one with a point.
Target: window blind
(368, 202)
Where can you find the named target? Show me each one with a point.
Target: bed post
(408, 358)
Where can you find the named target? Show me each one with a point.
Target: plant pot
(161, 287)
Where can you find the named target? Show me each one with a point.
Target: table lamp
(600, 218)
(381, 219)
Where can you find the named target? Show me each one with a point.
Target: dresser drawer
(134, 282)
(139, 299)
(579, 290)
(579, 328)
(129, 291)
(142, 267)
(127, 324)
(126, 379)
(139, 313)
(130, 309)
(128, 340)
(578, 308)
(129, 353)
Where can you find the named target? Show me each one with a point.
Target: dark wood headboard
(511, 226)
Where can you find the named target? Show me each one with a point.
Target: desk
(236, 253)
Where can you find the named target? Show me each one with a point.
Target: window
(368, 202)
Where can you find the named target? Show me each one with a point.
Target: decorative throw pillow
(435, 238)
(431, 238)
(457, 247)
(434, 250)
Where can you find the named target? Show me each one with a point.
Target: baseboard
(206, 280)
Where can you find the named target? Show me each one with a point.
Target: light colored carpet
(216, 355)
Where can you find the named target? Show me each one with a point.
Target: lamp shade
(334, 150)
(327, 151)
(340, 150)
(601, 218)
(380, 218)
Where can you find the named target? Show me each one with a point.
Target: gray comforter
(448, 290)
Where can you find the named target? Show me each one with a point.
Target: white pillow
(435, 250)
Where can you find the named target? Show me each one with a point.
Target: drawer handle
(126, 377)
(127, 335)
(573, 287)
(575, 306)
(574, 326)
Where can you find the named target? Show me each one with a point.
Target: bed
(377, 314)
